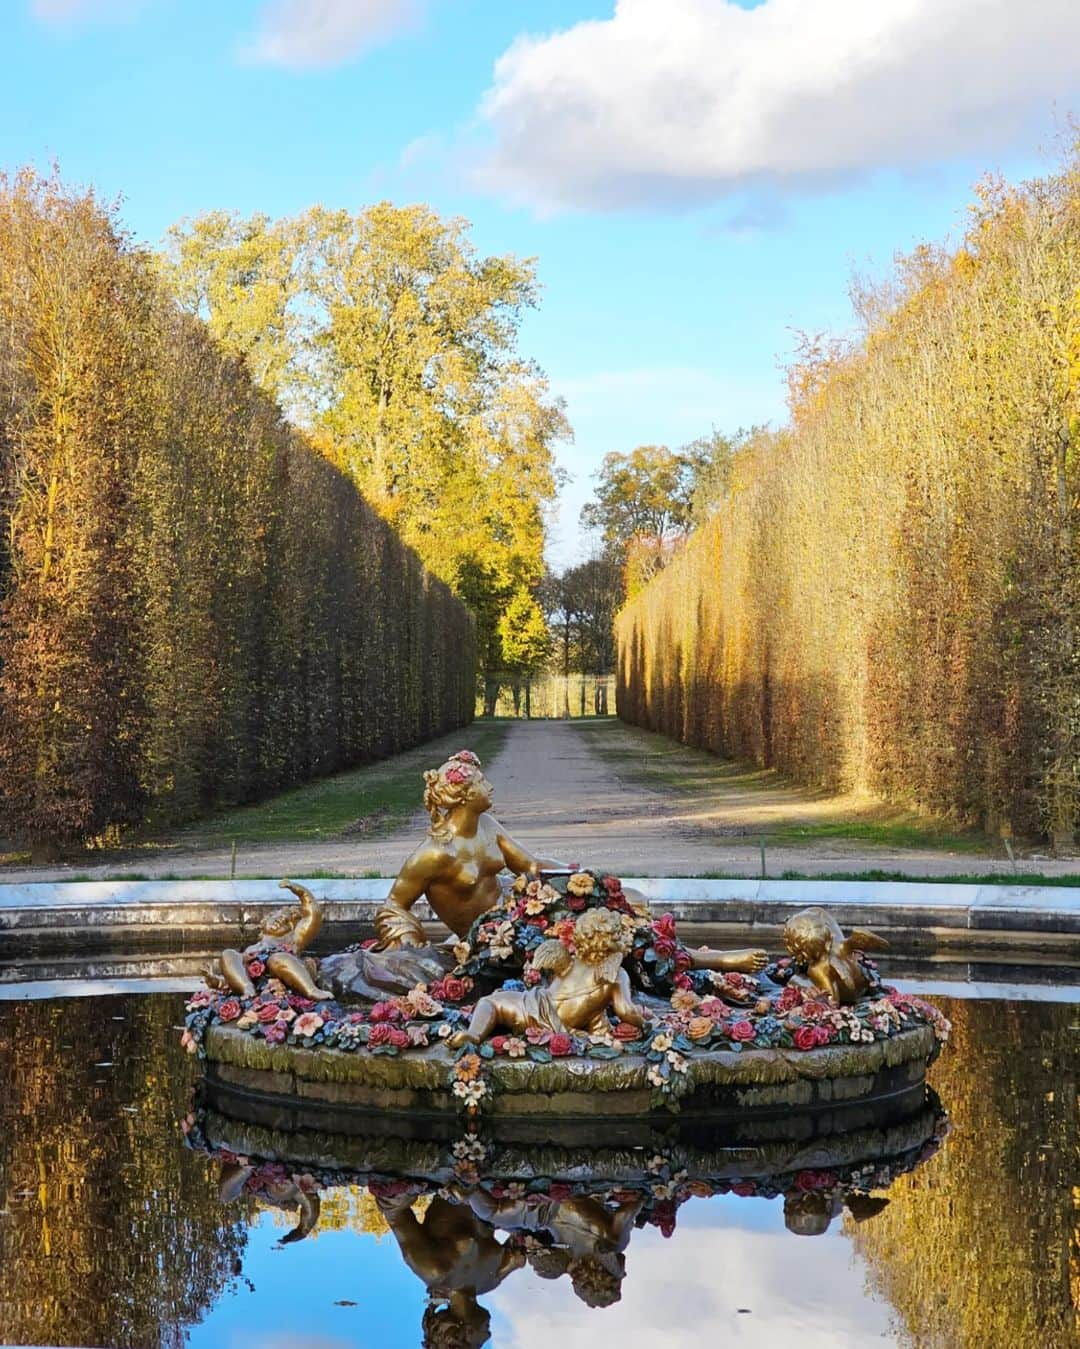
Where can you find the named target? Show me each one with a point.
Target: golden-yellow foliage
(195, 606)
(888, 599)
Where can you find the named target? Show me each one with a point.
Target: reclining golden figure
(457, 867)
(585, 986)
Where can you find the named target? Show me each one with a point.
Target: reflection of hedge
(196, 607)
(889, 595)
(981, 1250)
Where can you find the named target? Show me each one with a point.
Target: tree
(396, 343)
(581, 604)
(593, 592)
(713, 459)
(644, 494)
(242, 277)
(525, 642)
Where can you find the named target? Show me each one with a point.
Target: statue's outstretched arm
(519, 860)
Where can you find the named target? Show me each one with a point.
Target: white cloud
(306, 33)
(672, 103)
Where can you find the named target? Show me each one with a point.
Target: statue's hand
(396, 927)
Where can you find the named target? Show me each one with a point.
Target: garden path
(558, 795)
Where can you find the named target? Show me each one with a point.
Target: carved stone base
(761, 1084)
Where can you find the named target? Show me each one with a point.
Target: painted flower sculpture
(564, 963)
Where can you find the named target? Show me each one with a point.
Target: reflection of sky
(727, 1254)
(296, 1288)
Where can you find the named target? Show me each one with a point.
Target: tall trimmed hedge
(889, 597)
(196, 608)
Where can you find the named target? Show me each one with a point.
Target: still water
(114, 1232)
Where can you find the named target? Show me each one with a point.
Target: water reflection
(467, 1212)
(113, 1233)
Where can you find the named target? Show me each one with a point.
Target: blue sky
(696, 178)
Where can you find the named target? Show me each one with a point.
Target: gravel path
(560, 798)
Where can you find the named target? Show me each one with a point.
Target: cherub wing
(860, 940)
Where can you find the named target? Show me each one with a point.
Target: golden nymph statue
(457, 866)
(457, 870)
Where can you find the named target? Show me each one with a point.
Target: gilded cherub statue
(814, 939)
(585, 985)
(285, 935)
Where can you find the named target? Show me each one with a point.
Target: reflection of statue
(286, 934)
(814, 938)
(589, 1238)
(585, 986)
(457, 866)
(809, 1214)
(456, 1254)
(283, 1194)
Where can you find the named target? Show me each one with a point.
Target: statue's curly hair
(593, 1282)
(598, 934)
(808, 935)
(445, 787)
(443, 1329)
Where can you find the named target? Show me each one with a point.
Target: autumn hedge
(195, 607)
(888, 597)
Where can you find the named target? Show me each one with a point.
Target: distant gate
(547, 696)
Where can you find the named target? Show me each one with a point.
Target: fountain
(559, 995)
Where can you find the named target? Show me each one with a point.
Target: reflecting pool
(132, 1214)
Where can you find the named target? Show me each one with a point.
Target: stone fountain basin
(726, 1084)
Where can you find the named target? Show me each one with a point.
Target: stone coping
(915, 915)
(106, 978)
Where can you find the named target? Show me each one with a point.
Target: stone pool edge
(938, 917)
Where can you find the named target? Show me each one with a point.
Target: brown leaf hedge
(888, 598)
(196, 609)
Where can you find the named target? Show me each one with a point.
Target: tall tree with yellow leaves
(397, 345)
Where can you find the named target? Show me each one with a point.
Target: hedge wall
(196, 609)
(889, 596)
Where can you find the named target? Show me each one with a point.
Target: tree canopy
(395, 343)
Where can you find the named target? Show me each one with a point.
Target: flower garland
(709, 1010)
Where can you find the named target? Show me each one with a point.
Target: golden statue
(457, 867)
(814, 938)
(583, 988)
(285, 935)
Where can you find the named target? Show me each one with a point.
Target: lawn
(362, 802)
(740, 800)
